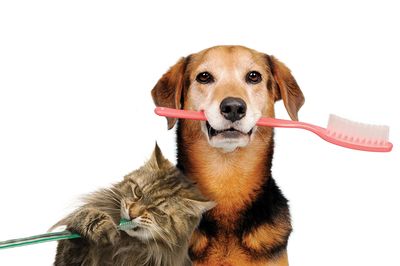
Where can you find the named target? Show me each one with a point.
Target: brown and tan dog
(229, 156)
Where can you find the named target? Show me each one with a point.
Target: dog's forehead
(227, 57)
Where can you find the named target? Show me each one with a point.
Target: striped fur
(167, 206)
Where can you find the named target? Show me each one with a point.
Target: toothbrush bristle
(355, 132)
(127, 225)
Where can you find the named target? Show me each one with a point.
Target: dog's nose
(233, 109)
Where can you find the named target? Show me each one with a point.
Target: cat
(166, 205)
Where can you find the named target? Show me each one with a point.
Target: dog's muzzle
(229, 124)
(232, 110)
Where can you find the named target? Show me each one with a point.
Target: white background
(76, 112)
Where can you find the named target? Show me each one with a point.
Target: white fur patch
(142, 233)
(229, 74)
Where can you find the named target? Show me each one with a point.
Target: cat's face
(146, 211)
(164, 204)
(161, 211)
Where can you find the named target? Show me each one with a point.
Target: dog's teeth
(213, 132)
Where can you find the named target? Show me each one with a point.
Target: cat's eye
(137, 192)
(158, 212)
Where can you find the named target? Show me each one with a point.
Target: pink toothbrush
(340, 131)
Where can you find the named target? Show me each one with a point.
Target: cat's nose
(133, 216)
(134, 212)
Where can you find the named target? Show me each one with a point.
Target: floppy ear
(286, 87)
(168, 90)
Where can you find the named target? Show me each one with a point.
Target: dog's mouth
(226, 133)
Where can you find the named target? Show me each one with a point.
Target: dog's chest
(227, 251)
(246, 237)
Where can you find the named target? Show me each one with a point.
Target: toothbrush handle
(177, 113)
(55, 236)
(274, 122)
(265, 121)
(38, 239)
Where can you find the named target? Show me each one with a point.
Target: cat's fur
(167, 206)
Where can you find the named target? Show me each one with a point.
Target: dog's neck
(223, 176)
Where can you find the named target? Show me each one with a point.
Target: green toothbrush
(54, 236)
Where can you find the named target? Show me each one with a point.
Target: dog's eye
(253, 77)
(204, 78)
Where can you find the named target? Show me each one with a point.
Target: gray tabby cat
(165, 204)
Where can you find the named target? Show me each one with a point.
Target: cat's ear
(157, 160)
(199, 206)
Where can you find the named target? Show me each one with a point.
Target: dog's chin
(228, 139)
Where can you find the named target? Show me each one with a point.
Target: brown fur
(234, 180)
(166, 206)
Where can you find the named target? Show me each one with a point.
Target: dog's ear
(168, 90)
(285, 87)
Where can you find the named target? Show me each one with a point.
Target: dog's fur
(251, 223)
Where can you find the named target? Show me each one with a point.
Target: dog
(228, 156)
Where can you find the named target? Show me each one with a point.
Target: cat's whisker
(112, 202)
(110, 209)
(113, 198)
(164, 236)
(112, 190)
(165, 233)
(152, 228)
(155, 241)
(113, 195)
(152, 194)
